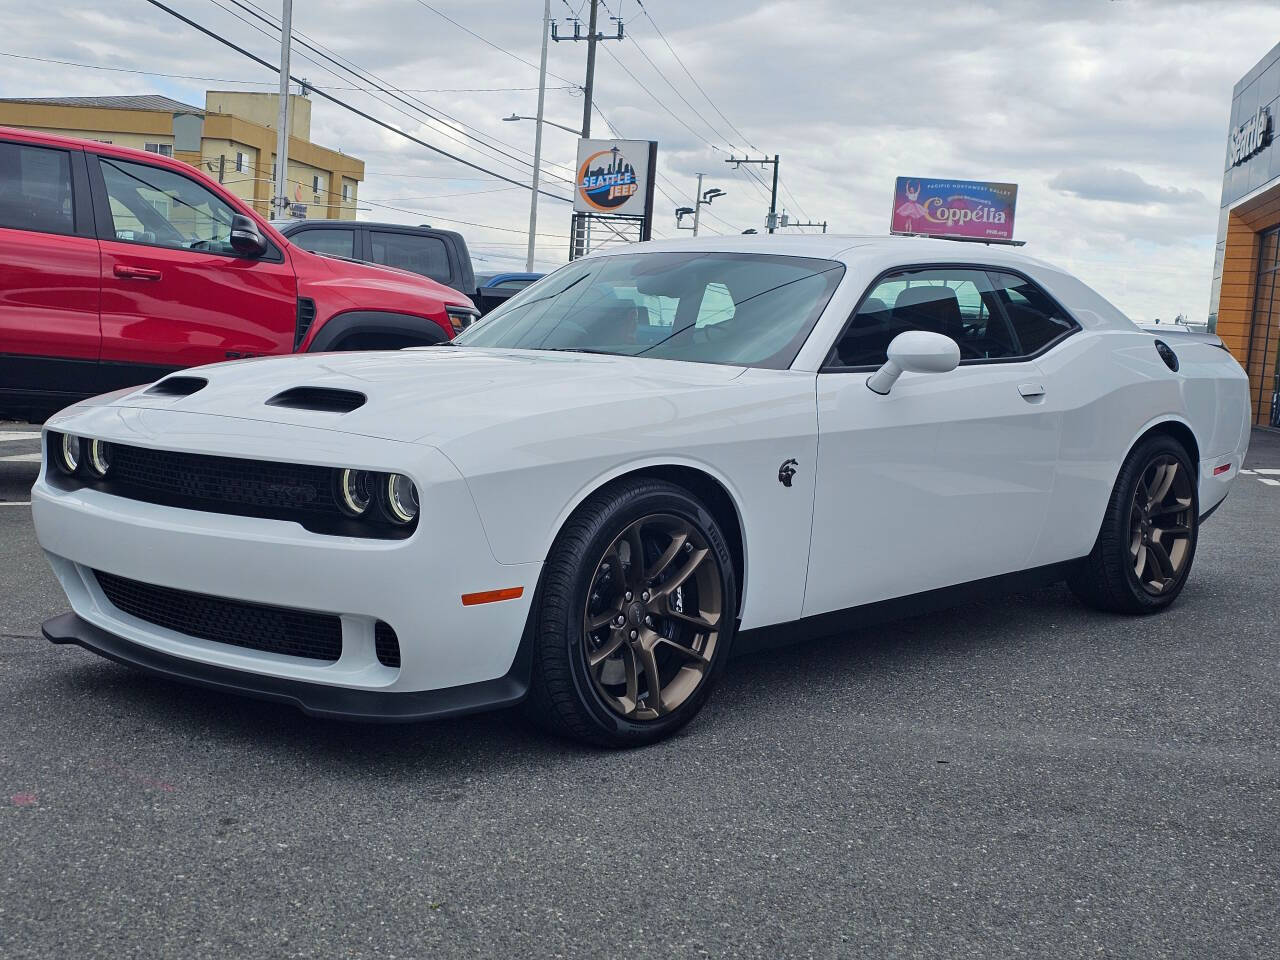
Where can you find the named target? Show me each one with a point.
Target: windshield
(736, 308)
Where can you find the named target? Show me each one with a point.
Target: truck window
(35, 189)
(337, 243)
(425, 255)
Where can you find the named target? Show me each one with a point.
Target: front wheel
(635, 618)
(1144, 550)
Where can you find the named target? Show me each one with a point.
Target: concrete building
(232, 137)
(1244, 302)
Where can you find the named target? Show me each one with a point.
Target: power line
(490, 43)
(347, 106)
(265, 83)
(359, 73)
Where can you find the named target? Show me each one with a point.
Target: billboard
(614, 177)
(954, 208)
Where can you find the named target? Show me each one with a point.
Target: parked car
(119, 266)
(630, 468)
(442, 255)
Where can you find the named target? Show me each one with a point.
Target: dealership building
(1244, 305)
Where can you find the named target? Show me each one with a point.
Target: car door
(50, 276)
(174, 293)
(948, 477)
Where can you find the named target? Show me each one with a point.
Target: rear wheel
(635, 618)
(1144, 550)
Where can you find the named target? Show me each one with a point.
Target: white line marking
(1267, 470)
(15, 503)
(21, 458)
(1273, 483)
(1247, 473)
(4, 436)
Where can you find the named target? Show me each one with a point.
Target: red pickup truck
(119, 266)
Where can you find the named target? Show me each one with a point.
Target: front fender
(337, 328)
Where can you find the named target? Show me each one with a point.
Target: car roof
(845, 248)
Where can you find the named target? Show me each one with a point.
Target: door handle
(1031, 392)
(135, 273)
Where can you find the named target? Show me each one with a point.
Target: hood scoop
(177, 387)
(323, 399)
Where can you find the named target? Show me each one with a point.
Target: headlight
(355, 491)
(402, 498)
(99, 457)
(66, 452)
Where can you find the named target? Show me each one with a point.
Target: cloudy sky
(1111, 115)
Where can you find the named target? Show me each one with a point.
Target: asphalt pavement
(1022, 777)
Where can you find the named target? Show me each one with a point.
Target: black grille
(387, 643)
(207, 482)
(297, 633)
(306, 316)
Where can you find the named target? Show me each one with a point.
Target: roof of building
(143, 102)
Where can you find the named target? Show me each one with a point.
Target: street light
(550, 123)
(701, 198)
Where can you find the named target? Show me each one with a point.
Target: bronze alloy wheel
(1160, 524)
(652, 618)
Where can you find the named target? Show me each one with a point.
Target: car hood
(434, 394)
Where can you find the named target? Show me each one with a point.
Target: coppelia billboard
(613, 177)
(954, 208)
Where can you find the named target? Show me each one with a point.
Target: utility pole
(537, 139)
(578, 233)
(280, 201)
(772, 220)
(697, 206)
(591, 71)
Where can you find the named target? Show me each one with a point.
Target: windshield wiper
(607, 353)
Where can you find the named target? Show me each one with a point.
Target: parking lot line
(15, 503)
(21, 458)
(1273, 483)
(1266, 470)
(18, 435)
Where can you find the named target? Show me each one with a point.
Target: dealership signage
(614, 177)
(954, 208)
(1250, 137)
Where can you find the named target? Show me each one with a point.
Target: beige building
(232, 138)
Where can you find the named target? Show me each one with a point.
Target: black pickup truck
(441, 255)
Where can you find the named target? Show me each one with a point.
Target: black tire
(563, 697)
(1107, 578)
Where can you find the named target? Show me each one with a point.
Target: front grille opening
(255, 626)
(325, 399)
(387, 644)
(177, 386)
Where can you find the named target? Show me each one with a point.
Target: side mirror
(246, 239)
(915, 351)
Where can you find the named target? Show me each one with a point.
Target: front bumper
(415, 585)
(317, 700)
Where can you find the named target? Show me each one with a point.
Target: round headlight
(99, 457)
(355, 491)
(67, 453)
(402, 498)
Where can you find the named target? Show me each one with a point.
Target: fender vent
(306, 315)
(177, 386)
(324, 399)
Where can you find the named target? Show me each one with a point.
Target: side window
(35, 189)
(425, 255)
(338, 243)
(165, 209)
(1036, 320)
(513, 283)
(716, 307)
(957, 303)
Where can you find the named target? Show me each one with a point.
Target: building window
(242, 162)
(346, 192)
(164, 149)
(315, 183)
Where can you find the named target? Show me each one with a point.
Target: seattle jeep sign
(1250, 137)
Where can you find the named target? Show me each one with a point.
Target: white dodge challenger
(648, 456)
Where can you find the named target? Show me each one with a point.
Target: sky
(1110, 115)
